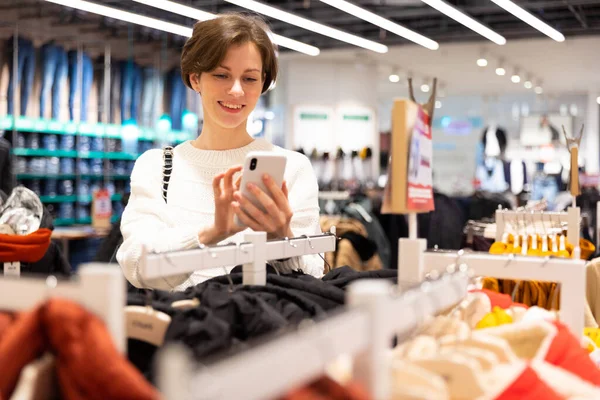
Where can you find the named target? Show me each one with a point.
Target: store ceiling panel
(570, 17)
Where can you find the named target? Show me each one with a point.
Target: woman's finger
(245, 218)
(277, 194)
(264, 219)
(229, 177)
(216, 183)
(284, 189)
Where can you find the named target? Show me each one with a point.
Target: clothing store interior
(315, 199)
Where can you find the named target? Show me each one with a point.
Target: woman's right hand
(224, 225)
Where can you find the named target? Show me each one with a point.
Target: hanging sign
(313, 128)
(409, 187)
(355, 128)
(101, 209)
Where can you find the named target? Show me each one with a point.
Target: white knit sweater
(148, 221)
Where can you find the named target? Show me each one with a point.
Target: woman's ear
(195, 81)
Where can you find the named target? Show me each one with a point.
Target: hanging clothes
(6, 177)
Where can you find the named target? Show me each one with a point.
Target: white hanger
(146, 324)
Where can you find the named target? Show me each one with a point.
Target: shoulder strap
(167, 168)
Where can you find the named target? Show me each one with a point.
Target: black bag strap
(167, 169)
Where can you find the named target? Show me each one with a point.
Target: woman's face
(230, 92)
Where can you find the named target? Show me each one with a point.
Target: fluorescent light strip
(200, 15)
(530, 19)
(125, 16)
(467, 21)
(168, 26)
(383, 23)
(309, 25)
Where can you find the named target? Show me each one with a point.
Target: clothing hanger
(145, 323)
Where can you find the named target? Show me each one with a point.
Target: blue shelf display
(64, 162)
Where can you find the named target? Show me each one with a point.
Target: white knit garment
(148, 221)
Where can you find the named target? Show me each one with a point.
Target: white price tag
(12, 268)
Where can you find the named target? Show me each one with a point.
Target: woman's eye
(220, 76)
(251, 79)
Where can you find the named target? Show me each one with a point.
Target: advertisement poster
(101, 209)
(419, 177)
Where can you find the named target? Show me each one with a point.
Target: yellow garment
(594, 334)
(498, 248)
(497, 317)
(491, 284)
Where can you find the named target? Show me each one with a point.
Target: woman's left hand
(276, 220)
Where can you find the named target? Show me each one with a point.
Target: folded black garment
(198, 329)
(343, 276)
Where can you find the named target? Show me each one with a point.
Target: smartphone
(257, 164)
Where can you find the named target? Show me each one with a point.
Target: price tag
(12, 268)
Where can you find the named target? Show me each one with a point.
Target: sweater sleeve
(304, 201)
(146, 223)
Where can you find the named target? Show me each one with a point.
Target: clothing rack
(296, 358)
(100, 288)
(571, 217)
(253, 254)
(569, 273)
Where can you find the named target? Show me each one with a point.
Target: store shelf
(121, 156)
(45, 176)
(64, 221)
(58, 199)
(84, 221)
(120, 177)
(75, 198)
(91, 154)
(44, 153)
(114, 218)
(91, 176)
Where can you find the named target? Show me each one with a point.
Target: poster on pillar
(355, 128)
(313, 128)
(409, 187)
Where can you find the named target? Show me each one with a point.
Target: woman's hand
(224, 225)
(276, 220)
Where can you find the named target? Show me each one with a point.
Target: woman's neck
(215, 137)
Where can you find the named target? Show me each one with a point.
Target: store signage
(313, 116)
(356, 117)
(101, 209)
(314, 128)
(409, 188)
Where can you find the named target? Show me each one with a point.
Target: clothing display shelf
(294, 359)
(253, 254)
(525, 218)
(98, 287)
(414, 264)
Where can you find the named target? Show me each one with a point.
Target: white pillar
(592, 133)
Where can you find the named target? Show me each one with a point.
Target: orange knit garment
(26, 248)
(88, 364)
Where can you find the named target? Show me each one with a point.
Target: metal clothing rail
(570, 273)
(253, 254)
(571, 217)
(363, 330)
(100, 288)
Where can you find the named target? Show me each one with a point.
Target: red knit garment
(501, 300)
(566, 352)
(528, 385)
(25, 248)
(88, 364)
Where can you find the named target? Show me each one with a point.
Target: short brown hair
(206, 49)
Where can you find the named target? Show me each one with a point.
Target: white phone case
(267, 162)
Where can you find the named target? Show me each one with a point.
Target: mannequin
(497, 174)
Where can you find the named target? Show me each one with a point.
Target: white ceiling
(569, 67)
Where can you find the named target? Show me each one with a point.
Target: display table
(65, 234)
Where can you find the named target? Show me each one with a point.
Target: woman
(230, 61)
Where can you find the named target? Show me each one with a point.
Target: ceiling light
(528, 18)
(467, 21)
(199, 15)
(394, 78)
(482, 62)
(538, 90)
(425, 88)
(528, 84)
(515, 78)
(383, 23)
(126, 16)
(500, 71)
(598, 99)
(306, 24)
(438, 104)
